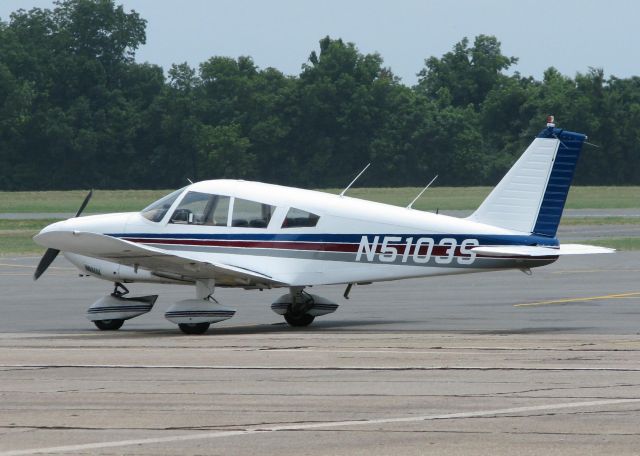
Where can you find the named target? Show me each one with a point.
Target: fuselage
(301, 237)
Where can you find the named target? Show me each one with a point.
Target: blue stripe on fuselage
(483, 239)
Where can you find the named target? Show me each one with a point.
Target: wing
(537, 251)
(156, 260)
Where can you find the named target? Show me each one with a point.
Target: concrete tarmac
(492, 363)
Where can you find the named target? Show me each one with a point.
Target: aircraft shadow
(274, 328)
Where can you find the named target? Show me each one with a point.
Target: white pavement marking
(322, 425)
(317, 368)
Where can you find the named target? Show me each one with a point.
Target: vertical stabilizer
(531, 196)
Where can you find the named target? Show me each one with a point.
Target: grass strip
(18, 242)
(621, 244)
(16, 236)
(616, 220)
(34, 225)
(451, 198)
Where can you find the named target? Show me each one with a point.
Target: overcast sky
(571, 35)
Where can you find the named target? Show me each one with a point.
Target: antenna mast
(423, 190)
(353, 181)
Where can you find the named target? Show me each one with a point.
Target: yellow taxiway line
(590, 298)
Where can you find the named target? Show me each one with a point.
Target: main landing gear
(300, 308)
(194, 316)
(109, 325)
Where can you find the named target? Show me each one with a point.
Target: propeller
(51, 254)
(84, 203)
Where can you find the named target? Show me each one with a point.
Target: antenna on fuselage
(423, 190)
(353, 181)
(190, 181)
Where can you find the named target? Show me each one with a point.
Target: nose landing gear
(110, 312)
(300, 308)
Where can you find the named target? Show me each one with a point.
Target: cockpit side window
(157, 210)
(297, 218)
(251, 213)
(202, 209)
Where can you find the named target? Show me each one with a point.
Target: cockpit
(198, 208)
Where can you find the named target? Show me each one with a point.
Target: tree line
(77, 111)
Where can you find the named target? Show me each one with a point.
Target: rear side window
(297, 218)
(251, 214)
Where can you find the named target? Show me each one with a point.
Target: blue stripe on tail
(564, 166)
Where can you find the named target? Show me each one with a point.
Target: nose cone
(101, 224)
(57, 226)
(44, 237)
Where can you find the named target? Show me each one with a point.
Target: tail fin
(531, 196)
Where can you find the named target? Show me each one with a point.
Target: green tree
(467, 73)
(225, 152)
(85, 91)
(77, 111)
(343, 98)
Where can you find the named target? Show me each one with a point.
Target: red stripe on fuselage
(438, 250)
(323, 247)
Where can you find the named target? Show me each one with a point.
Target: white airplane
(234, 233)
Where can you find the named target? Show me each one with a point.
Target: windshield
(156, 211)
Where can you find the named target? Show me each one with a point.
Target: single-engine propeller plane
(233, 233)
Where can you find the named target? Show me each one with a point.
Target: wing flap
(539, 251)
(157, 260)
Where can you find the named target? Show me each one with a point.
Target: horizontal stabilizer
(537, 251)
(581, 249)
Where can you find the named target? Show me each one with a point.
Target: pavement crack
(562, 388)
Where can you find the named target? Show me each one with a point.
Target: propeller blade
(84, 203)
(51, 254)
(45, 261)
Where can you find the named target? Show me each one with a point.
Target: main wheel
(194, 328)
(298, 319)
(109, 325)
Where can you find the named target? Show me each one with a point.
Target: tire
(298, 320)
(109, 325)
(194, 328)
